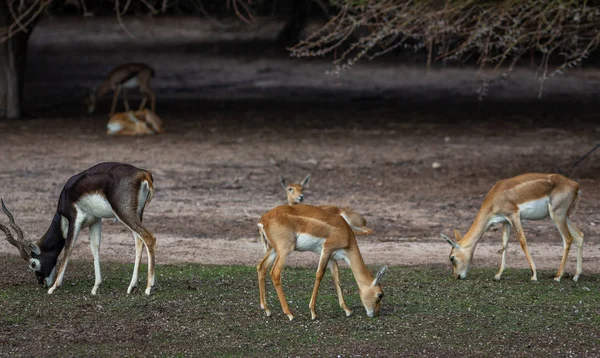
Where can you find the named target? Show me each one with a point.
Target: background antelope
(295, 195)
(122, 77)
(144, 122)
(289, 228)
(106, 190)
(529, 196)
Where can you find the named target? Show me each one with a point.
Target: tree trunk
(13, 60)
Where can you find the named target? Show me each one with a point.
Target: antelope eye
(380, 295)
(452, 259)
(290, 190)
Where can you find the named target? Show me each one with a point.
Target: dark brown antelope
(106, 190)
(122, 77)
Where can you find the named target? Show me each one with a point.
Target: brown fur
(295, 195)
(144, 122)
(280, 228)
(503, 200)
(120, 185)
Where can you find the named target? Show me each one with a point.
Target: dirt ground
(216, 169)
(217, 173)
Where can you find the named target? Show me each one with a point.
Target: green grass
(200, 310)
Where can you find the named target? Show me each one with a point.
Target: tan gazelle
(295, 195)
(529, 196)
(289, 228)
(143, 122)
(122, 77)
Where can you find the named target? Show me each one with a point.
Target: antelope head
(43, 265)
(459, 257)
(372, 295)
(294, 190)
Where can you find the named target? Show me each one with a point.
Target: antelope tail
(263, 237)
(573, 207)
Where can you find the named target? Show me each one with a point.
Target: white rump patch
(306, 242)
(535, 209)
(143, 195)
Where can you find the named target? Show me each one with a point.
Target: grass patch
(200, 310)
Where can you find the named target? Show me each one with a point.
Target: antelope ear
(457, 235)
(454, 245)
(282, 181)
(305, 181)
(379, 275)
(35, 249)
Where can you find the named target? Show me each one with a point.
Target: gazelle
(529, 196)
(289, 228)
(144, 122)
(122, 77)
(106, 190)
(295, 195)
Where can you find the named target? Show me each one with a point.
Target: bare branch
(496, 33)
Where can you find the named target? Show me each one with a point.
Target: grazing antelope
(106, 190)
(289, 228)
(144, 122)
(122, 77)
(295, 195)
(529, 196)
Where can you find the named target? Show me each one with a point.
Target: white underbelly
(131, 83)
(306, 242)
(534, 210)
(94, 205)
(497, 219)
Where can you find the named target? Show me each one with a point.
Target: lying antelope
(289, 228)
(295, 195)
(144, 122)
(122, 77)
(525, 197)
(106, 190)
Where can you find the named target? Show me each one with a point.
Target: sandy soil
(369, 143)
(217, 173)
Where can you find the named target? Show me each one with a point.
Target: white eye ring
(34, 264)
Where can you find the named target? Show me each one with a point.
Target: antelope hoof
(290, 316)
(498, 276)
(576, 277)
(52, 289)
(267, 312)
(534, 279)
(557, 278)
(148, 291)
(348, 313)
(313, 316)
(94, 290)
(131, 289)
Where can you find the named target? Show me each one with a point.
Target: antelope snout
(300, 197)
